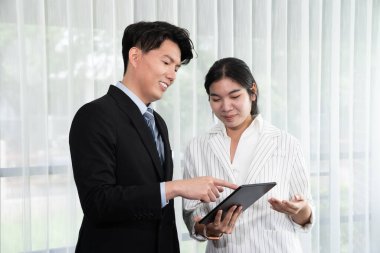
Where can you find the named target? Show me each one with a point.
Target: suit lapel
(162, 129)
(263, 152)
(133, 112)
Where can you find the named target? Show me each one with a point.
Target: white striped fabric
(277, 157)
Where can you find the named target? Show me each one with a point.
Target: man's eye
(235, 97)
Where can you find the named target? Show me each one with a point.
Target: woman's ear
(134, 56)
(254, 91)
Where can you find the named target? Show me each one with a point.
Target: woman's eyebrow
(234, 91)
(229, 93)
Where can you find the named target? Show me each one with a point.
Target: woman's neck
(236, 132)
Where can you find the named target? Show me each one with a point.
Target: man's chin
(157, 97)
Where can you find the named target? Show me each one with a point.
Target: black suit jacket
(117, 172)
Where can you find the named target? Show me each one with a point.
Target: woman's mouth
(229, 117)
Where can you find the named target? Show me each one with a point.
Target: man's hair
(150, 35)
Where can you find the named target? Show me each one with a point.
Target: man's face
(156, 71)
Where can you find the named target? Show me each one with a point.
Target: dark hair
(238, 71)
(150, 35)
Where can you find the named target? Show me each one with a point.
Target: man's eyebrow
(172, 60)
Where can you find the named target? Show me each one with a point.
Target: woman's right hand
(218, 227)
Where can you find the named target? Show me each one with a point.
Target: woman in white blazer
(245, 149)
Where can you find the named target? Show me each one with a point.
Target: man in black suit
(121, 155)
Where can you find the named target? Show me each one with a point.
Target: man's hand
(205, 189)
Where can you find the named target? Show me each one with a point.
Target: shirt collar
(140, 104)
(260, 122)
(257, 123)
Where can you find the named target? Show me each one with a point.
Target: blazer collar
(264, 150)
(132, 111)
(265, 147)
(217, 145)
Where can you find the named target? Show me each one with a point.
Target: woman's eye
(235, 97)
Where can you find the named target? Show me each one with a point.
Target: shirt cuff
(307, 227)
(163, 195)
(196, 236)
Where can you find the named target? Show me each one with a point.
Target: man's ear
(134, 56)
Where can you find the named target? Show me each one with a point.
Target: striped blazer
(277, 157)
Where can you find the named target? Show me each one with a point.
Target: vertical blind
(316, 63)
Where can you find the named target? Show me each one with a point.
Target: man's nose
(172, 74)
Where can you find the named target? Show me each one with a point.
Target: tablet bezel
(244, 195)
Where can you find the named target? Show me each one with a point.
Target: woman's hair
(236, 70)
(150, 35)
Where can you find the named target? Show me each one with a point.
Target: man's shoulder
(100, 109)
(99, 105)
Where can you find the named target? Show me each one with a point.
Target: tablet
(243, 196)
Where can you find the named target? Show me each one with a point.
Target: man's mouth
(164, 85)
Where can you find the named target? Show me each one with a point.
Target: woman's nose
(226, 105)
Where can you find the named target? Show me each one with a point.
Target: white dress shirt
(245, 148)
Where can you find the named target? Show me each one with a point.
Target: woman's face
(231, 103)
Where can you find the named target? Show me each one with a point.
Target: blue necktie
(149, 118)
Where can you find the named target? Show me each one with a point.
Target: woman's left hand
(298, 208)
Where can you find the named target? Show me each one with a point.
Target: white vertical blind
(225, 28)
(331, 69)
(262, 53)
(242, 30)
(316, 63)
(374, 173)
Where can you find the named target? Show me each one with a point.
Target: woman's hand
(297, 208)
(219, 227)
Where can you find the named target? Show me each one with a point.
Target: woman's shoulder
(202, 139)
(279, 133)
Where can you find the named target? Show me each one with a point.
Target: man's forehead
(170, 50)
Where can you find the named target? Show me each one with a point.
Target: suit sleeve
(93, 145)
